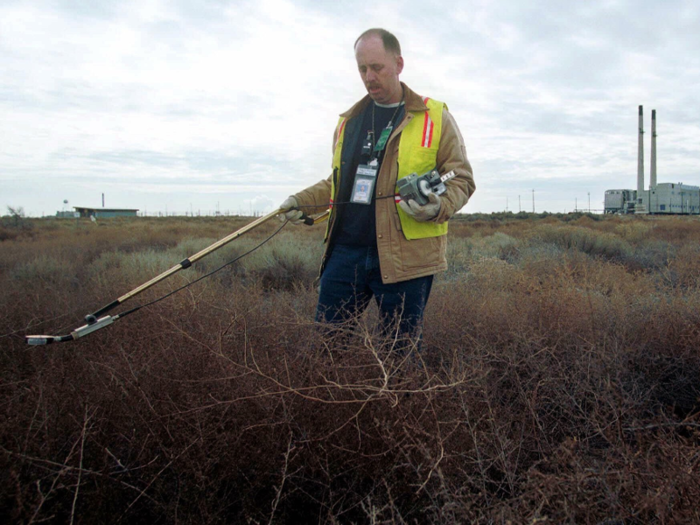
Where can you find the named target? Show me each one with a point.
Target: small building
(105, 213)
(67, 214)
(619, 201)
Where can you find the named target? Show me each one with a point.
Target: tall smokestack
(652, 181)
(640, 154)
(103, 200)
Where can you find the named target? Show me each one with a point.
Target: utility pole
(533, 200)
(519, 207)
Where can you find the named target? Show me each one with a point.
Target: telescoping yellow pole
(95, 322)
(186, 263)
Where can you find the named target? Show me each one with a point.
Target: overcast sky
(210, 104)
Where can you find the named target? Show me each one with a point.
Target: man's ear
(399, 65)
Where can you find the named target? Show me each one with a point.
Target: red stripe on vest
(428, 127)
(340, 129)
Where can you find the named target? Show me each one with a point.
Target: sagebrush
(558, 379)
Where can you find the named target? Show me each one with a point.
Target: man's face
(379, 70)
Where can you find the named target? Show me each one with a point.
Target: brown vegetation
(559, 380)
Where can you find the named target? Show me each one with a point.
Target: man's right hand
(290, 211)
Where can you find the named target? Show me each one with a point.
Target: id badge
(363, 187)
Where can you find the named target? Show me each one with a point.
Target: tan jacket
(399, 258)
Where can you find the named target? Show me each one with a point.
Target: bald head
(391, 43)
(379, 65)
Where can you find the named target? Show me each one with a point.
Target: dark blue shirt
(357, 221)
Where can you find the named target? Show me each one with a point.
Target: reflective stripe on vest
(418, 147)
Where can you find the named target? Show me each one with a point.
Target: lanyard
(386, 132)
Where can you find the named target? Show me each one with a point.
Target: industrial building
(665, 198)
(105, 213)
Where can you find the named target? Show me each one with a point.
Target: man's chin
(377, 97)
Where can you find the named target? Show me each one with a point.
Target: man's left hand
(422, 213)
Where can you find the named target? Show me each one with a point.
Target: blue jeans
(352, 277)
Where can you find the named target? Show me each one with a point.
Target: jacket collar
(413, 101)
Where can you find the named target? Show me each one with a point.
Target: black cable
(37, 324)
(132, 310)
(331, 204)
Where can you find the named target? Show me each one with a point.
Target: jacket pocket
(423, 253)
(396, 219)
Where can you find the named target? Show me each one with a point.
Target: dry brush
(559, 380)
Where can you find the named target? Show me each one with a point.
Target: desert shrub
(542, 257)
(683, 267)
(497, 245)
(652, 255)
(633, 231)
(8, 234)
(43, 272)
(16, 219)
(676, 229)
(463, 251)
(557, 381)
(582, 218)
(583, 239)
(283, 263)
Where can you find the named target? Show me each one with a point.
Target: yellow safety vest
(418, 147)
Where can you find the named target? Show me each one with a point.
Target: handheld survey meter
(417, 188)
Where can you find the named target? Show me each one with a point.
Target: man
(377, 245)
